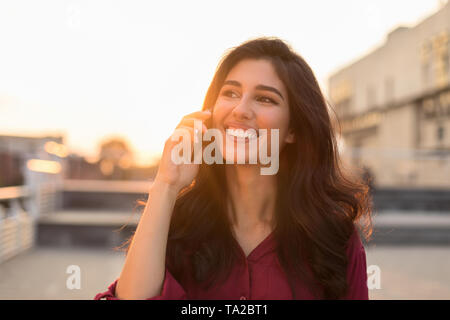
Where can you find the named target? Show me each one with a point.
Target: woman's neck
(253, 197)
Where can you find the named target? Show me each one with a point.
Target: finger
(190, 129)
(190, 122)
(202, 115)
(194, 134)
(193, 139)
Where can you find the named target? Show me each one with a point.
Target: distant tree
(115, 157)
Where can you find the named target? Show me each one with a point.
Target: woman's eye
(267, 99)
(264, 99)
(227, 93)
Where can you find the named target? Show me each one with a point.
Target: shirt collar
(266, 246)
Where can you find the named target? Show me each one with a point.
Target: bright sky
(92, 69)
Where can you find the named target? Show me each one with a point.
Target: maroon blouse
(260, 278)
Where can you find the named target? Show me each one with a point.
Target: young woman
(226, 231)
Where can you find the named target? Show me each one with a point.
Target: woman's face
(252, 97)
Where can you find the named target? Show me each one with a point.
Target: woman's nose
(243, 110)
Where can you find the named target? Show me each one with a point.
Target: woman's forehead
(252, 72)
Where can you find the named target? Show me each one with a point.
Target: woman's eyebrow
(258, 87)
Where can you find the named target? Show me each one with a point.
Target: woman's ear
(290, 138)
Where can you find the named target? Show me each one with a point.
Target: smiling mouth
(241, 134)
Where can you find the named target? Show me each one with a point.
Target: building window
(344, 108)
(441, 47)
(341, 95)
(440, 133)
(371, 97)
(426, 54)
(389, 89)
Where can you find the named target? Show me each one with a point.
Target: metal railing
(17, 227)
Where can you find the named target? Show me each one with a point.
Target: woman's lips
(238, 125)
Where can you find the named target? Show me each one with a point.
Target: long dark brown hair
(319, 203)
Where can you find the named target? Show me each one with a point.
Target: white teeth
(240, 133)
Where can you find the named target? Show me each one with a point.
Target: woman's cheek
(216, 118)
(219, 114)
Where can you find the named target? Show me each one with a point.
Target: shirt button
(243, 298)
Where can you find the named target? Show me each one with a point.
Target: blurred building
(30, 176)
(17, 151)
(393, 106)
(80, 168)
(35, 163)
